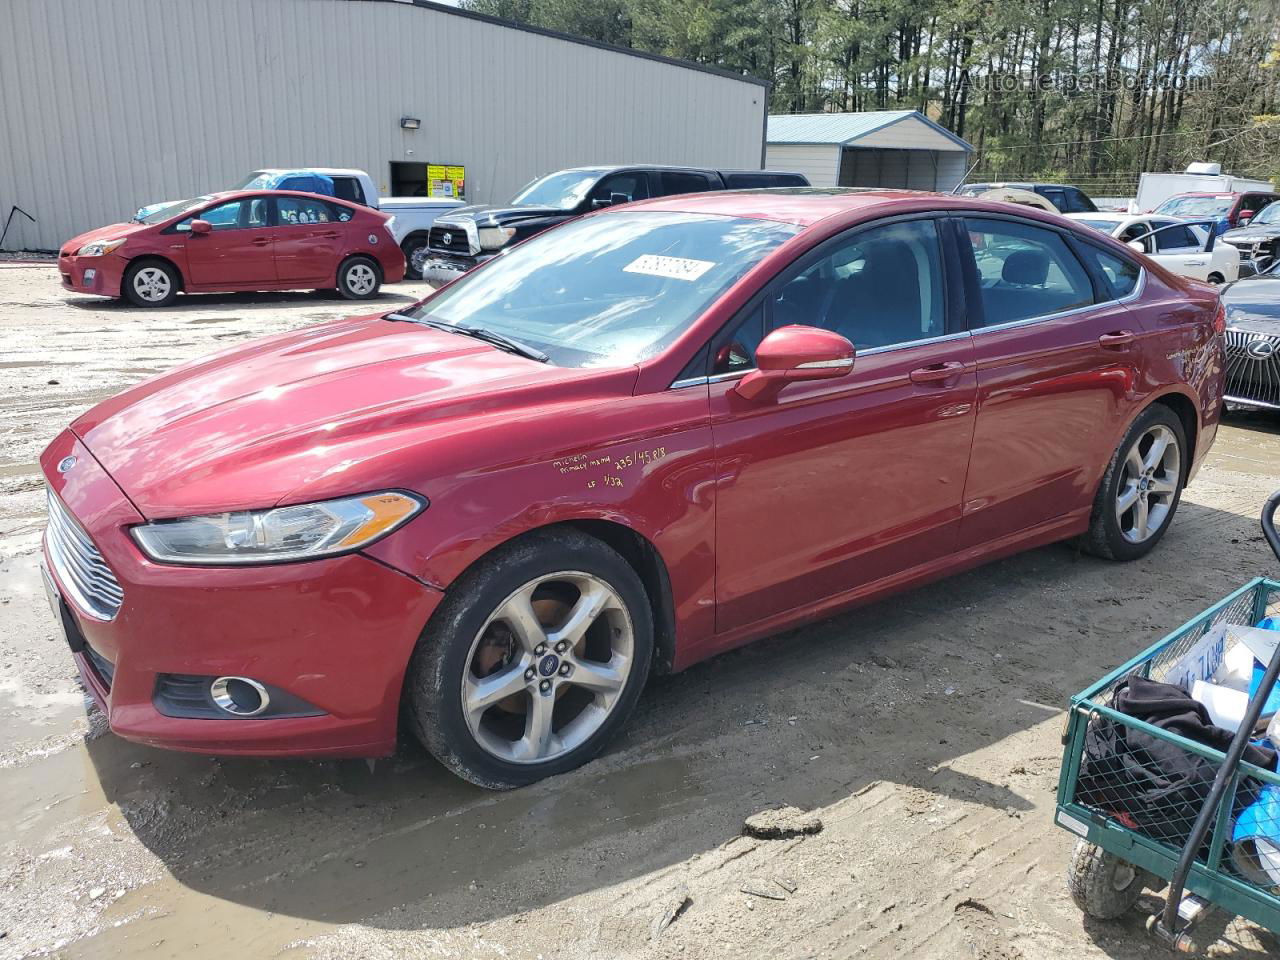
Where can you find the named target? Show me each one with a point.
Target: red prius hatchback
(632, 442)
(274, 240)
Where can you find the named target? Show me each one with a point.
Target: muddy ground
(924, 732)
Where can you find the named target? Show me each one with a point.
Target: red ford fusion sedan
(632, 442)
(238, 240)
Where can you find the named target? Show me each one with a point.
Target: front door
(838, 483)
(1054, 370)
(310, 237)
(237, 252)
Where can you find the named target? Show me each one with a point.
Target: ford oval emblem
(373, 238)
(1260, 348)
(66, 463)
(447, 238)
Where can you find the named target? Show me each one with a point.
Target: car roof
(805, 206)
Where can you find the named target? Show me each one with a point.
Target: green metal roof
(844, 128)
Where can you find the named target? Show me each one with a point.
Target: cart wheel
(1102, 885)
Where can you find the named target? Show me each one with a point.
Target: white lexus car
(1183, 246)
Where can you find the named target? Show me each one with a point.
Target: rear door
(1055, 360)
(671, 182)
(237, 252)
(310, 239)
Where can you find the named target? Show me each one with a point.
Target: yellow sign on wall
(446, 180)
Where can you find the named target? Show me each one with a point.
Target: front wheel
(1142, 487)
(150, 283)
(415, 252)
(533, 662)
(359, 278)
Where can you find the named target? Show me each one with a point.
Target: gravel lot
(923, 732)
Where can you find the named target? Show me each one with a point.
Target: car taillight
(1220, 318)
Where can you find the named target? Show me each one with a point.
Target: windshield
(1268, 214)
(171, 210)
(257, 180)
(1106, 226)
(560, 191)
(610, 290)
(1196, 206)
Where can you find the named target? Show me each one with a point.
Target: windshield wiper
(501, 341)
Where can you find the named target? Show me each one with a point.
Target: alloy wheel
(1149, 480)
(151, 284)
(361, 279)
(548, 667)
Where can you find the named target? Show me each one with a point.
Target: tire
(411, 246)
(1216, 279)
(1102, 885)
(476, 634)
(150, 283)
(359, 278)
(1119, 535)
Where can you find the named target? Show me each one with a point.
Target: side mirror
(201, 227)
(796, 353)
(1245, 217)
(1136, 245)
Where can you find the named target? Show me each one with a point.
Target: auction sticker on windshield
(674, 268)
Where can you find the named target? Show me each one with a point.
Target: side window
(1121, 275)
(1174, 238)
(1025, 271)
(737, 351)
(1134, 231)
(1076, 201)
(1255, 201)
(348, 188)
(302, 211)
(881, 286)
(679, 181)
(1057, 197)
(633, 186)
(233, 215)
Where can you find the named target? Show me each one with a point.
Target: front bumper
(439, 270)
(100, 276)
(336, 633)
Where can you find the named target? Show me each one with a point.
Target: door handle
(1117, 338)
(941, 373)
(260, 241)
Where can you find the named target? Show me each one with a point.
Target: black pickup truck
(470, 235)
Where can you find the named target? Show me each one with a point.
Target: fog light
(240, 696)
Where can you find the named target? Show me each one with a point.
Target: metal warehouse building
(111, 104)
(891, 148)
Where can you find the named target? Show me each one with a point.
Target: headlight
(301, 532)
(100, 248)
(491, 238)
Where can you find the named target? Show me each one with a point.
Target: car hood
(1250, 233)
(109, 232)
(1254, 303)
(486, 215)
(322, 412)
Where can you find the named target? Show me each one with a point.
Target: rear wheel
(359, 278)
(1102, 885)
(150, 283)
(533, 662)
(1216, 278)
(1141, 489)
(413, 249)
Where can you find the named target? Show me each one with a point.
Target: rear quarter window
(752, 180)
(1119, 274)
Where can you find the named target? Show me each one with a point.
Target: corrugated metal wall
(817, 161)
(110, 104)
(909, 169)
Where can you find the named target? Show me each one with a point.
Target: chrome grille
(457, 239)
(81, 570)
(1251, 378)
